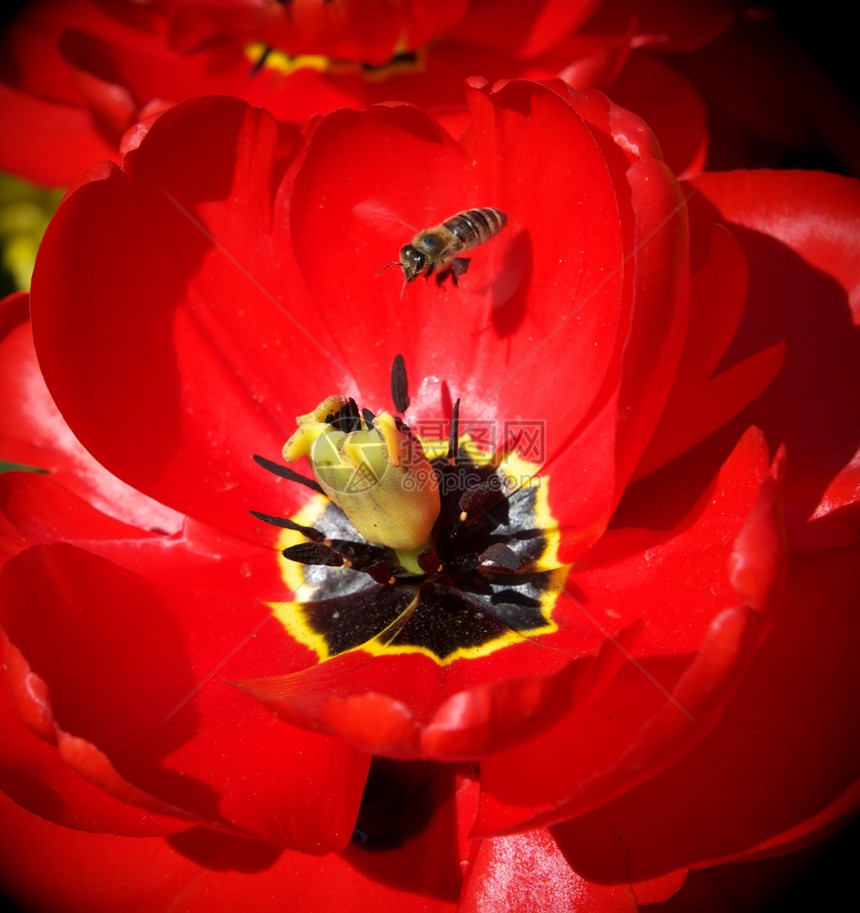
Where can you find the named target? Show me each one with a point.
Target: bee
(437, 249)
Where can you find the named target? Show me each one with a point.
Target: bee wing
(382, 218)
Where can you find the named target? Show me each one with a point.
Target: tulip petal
(33, 433)
(780, 753)
(669, 103)
(696, 641)
(528, 872)
(44, 124)
(195, 558)
(199, 871)
(170, 271)
(703, 399)
(408, 706)
(157, 720)
(588, 319)
(799, 238)
(671, 25)
(33, 774)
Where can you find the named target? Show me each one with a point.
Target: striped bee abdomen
(475, 226)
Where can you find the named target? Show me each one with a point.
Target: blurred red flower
(75, 74)
(189, 304)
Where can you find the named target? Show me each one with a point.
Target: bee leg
(454, 270)
(459, 267)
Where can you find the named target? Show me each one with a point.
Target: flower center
(264, 56)
(434, 547)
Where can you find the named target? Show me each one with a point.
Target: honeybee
(437, 249)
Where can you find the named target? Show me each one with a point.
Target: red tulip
(76, 74)
(686, 354)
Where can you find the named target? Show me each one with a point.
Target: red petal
(629, 322)
(612, 331)
(364, 167)
(33, 433)
(671, 25)
(527, 873)
(703, 399)
(171, 275)
(780, 753)
(408, 706)
(695, 643)
(95, 635)
(798, 232)
(195, 558)
(55, 135)
(826, 822)
(112, 103)
(33, 774)
(669, 103)
(519, 29)
(29, 148)
(200, 871)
